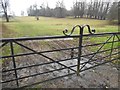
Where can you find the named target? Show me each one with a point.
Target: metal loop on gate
(91, 31)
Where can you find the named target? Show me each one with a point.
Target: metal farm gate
(111, 54)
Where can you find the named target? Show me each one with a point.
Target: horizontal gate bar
(60, 76)
(47, 52)
(53, 62)
(101, 58)
(14, 40)
(39, 64)
(47, 80)
(37, 74)
(99, 52)
(39, 52)
(99, 43)
(53, 37)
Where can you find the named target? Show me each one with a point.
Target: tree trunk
(95, 17)
(104, 18)
(7, 18)
(90, 16)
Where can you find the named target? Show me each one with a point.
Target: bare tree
(90, 9)
(113, 12)
(106, 8)
(60, 10)
(98, 9)
(75, 9)
(79, 8)
(33, 10)
(48, 12)
(82, 8)
(119, 12)
(5, 5)
(22, 13)
(42, 10)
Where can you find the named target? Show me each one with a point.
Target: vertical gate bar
(14, 64)
(118, 61)
(79, 50)
(112, 46)
(118, 44)
(72, 53)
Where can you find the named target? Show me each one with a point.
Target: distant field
(30, 27)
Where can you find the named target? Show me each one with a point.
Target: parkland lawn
(45, 26)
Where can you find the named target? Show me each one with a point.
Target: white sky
(21, 5)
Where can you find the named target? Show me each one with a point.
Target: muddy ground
(104, 76)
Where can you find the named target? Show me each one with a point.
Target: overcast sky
(21, 5)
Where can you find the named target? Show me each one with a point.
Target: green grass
(30, 27)
(104, 39)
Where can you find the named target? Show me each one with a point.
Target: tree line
(96, 9)
(42, 10)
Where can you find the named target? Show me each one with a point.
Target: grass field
(30, 27)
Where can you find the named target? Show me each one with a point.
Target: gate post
(79, 50)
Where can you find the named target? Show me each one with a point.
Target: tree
(5, 5)
(98, 9)
(42, 9)
(48, 11)
(113, 12)
(82, 9)
(60, 10)
(22, 13)
(75, 9)
(119, 12)
(34, 11)
(79, 8)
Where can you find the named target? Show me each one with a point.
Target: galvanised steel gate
(113, 55)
